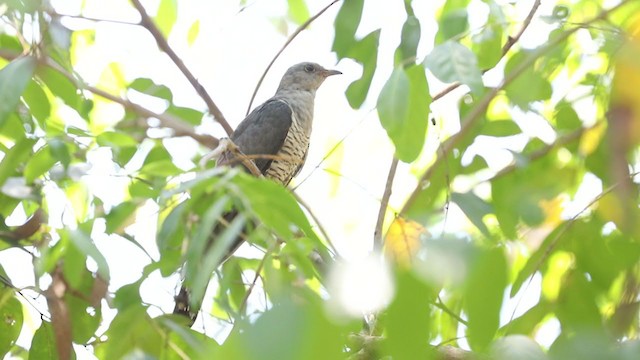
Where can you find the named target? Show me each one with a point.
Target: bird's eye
(308, 68)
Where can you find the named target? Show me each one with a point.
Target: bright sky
(230, 54)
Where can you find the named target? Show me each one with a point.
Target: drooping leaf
(193, 32)
(403, 240)
(365, 52)
(393, 103)
(11, 319)
(484, 290)
(474, 208)
(346, 24)
(43, 344)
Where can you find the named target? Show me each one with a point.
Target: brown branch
(166, 120)
(378, 241)
(474, 114)
(289, 40)
(148, 23)
(512, 40)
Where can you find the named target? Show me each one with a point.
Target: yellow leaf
(403, 240)
(552, 210)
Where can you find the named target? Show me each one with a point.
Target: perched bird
(277, 135)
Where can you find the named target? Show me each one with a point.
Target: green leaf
(40, 163)
(365, 52)
(170, 239)
(298, 11)
(487, 45)
(131, 329)
(500, 128)
(84, 243)
(407, 320)
(43, 344)
(191, 116)
(566, 117)
(120, 216)
(59, 151)
(474, 208)
(393, 103)
(452, 20)
(193, 32)
(61, 87)
(10, 320)
(409, 41)
(530, 86)
(451, 62)
(483, 293)
(37, 101)
(13, 79)
(577, 308)
(345, 26)
(14, 158)
(166, 16)
(149, 87)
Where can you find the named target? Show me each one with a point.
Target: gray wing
(263, 131)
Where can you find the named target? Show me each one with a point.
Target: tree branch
(512, 40)
(148, 23)
(166, 120)
(378, 241)
(474, 114)
(289, 40)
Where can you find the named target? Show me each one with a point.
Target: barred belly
(290, 158)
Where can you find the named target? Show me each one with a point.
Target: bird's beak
(328, 73)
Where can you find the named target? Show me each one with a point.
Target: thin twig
(377, 235)
(255, 279)
(53, 13)
(289, 40)
(440, 305)
(315, 219)
(166, 120)
(148, 23)
(473, 116)
(512, 40)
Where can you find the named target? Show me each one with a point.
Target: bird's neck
(301, 102)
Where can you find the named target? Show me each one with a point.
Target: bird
(276, 135)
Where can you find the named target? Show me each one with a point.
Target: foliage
(562, 213)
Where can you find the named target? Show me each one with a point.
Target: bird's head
(306, 76)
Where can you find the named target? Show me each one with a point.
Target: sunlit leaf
(474, 208)
(298, 11)
(194, 31)
(166, 16)
(43, 344)
(403, 240)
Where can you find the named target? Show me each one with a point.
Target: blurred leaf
(516, 347)
(345, 26)
(40, 163)
(577, 309)
(121, 216)
(61, 87)
(59, 151)
(566, 117)
(484, 290)
(131, 329)
(487, 45)
(529, 86)
(86, 245)
(166, 16)
(407, 319)
(13, 79)
(12, 161)
(304, 332)
(452, 21)
(43, 344)
(403, 240)
(11, 319)
(474, 208)
(393, 103)
(451, 62)
(298, 11)
(194, 31)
